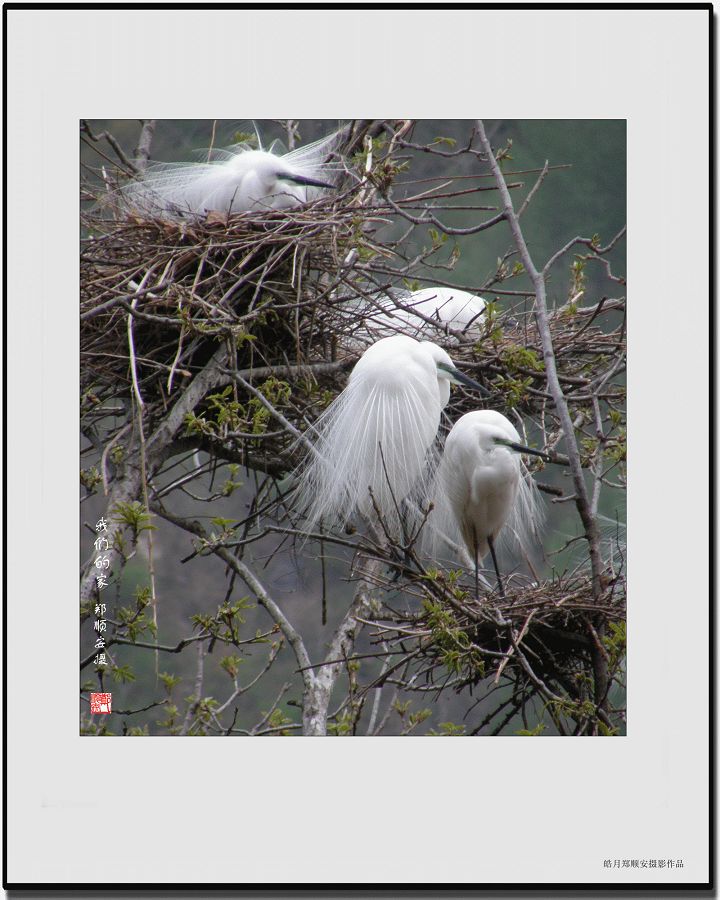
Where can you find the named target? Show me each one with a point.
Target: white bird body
(240, 181)
(482, 490)
(481, 478)
(448, 308)
(377, 433)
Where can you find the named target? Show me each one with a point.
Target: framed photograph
(388, 326)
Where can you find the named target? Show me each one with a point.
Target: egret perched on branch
(481, 486)
(375, 435)
(238, 180)
(426, 313)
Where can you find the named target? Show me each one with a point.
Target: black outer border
(510, 889)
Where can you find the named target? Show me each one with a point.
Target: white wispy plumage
(405, 312)
(237, 180)
(574, 557)
(482, 490)
(377, 433)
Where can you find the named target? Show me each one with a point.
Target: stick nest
(286, 293)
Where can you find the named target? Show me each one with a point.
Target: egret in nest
(237, 180)
(448, 308)
(371, 444)
(428, 313)
(482, 488)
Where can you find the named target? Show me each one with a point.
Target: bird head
(289, 174)
(268, 180)
(448, 374)
(520, 448)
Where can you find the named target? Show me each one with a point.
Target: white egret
(238, 180)
(481, 486)
(376, 434)
(408, 313)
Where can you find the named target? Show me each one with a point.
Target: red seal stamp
(100, 703)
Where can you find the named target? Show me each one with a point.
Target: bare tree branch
(142, 151)
(553, 382)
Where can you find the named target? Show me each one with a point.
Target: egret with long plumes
(373, 440)
(482, 487)
(238, 180)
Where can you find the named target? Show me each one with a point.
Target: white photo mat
(368, 810)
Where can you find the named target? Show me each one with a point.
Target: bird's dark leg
(491, 544)
(475, 556)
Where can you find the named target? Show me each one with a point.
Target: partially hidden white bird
(376, 434)
(237, 180)
(482, 487)
(427, 313)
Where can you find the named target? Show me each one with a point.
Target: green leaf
(448, 729)
(534, 732)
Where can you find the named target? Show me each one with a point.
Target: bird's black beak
(458, 377)
(306, 182)
(521, 448)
